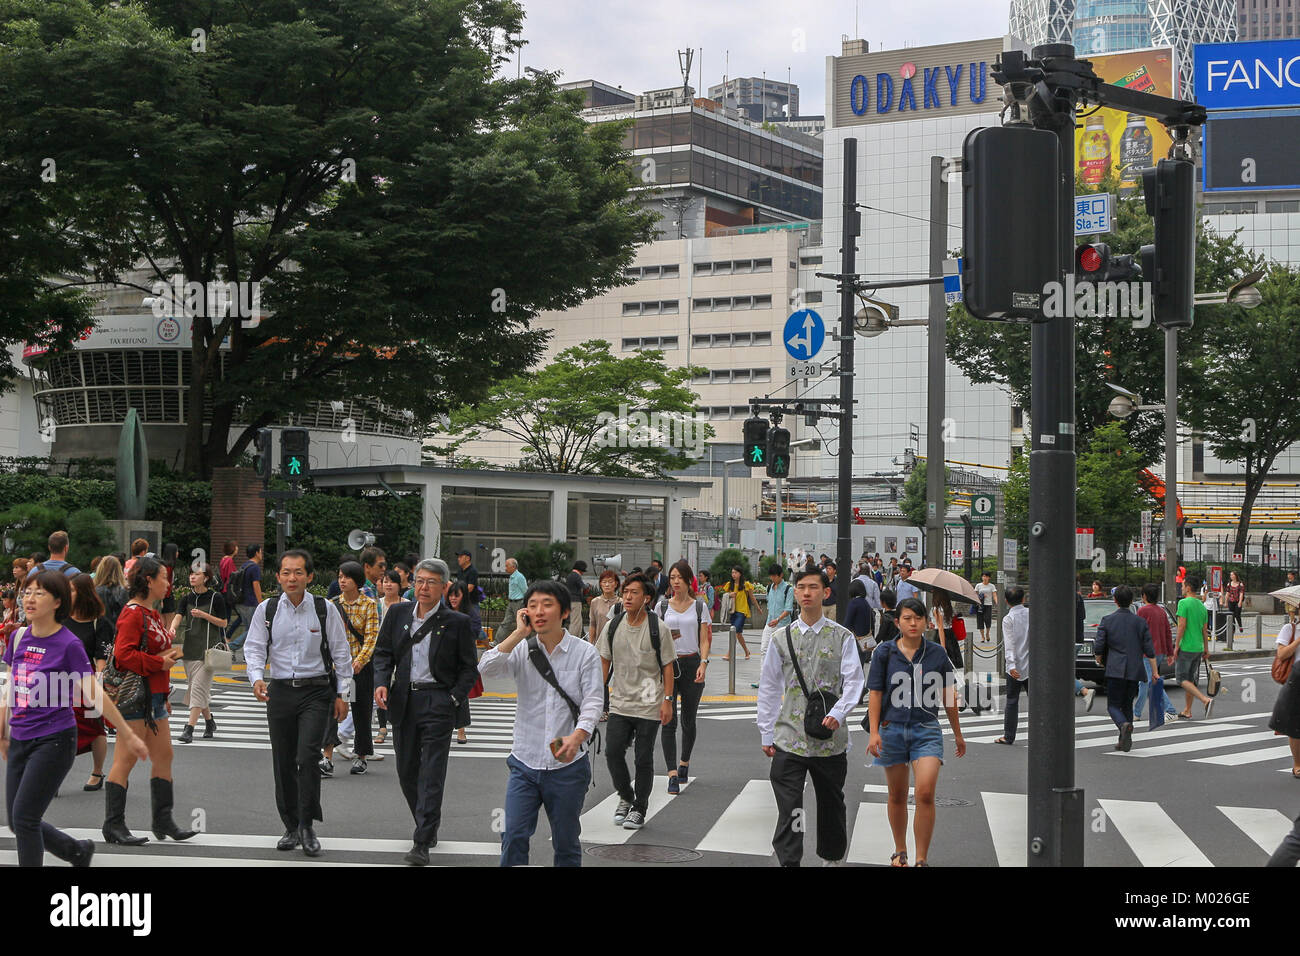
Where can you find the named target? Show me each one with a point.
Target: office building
(758, 98)
(1267, 19)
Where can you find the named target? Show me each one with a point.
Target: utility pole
(848, 266)
(936, 369)
(1171, 465)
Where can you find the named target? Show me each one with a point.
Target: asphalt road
(1198, 793)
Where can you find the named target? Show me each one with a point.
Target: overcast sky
(634, 43)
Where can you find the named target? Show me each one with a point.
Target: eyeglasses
(427, 582)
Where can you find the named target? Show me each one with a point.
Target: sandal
(1000, 740)
(898, 859)
(1295, 772)
(382, 735)
(96, 786)
(920, 863)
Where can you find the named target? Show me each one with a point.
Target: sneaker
(673, 787)
(1126, 738)
(358, 765)
(635, 820)
(1089, 698)
(621, 812)
(344, 752)
(838, 863)
(326, 768)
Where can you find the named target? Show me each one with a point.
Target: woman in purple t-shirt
(50, 674)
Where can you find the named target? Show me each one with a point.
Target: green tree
(569, 416)
(1106, 349)
(1241, 390)
(1110, 500)
(405, 206)
(913, 504)
(1015, 496)
(542, 562)
(728, 558)
(26, 528)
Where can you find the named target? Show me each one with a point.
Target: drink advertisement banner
(1112, 142)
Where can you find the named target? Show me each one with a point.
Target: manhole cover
(944, 802)
(645, 853)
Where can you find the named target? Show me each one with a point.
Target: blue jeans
(245, 617)
(1143, 690)
(738, 622)
(561, 791)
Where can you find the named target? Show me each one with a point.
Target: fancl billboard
(1233, 76)
(917, 82)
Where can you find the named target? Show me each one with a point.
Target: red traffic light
(1091, 259)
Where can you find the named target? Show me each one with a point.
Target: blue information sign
(804, 334)
(1248, 75)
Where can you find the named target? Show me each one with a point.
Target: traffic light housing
(778, 453)
(756, 442)
(1170, 265)
(1093, 262)
(294, 445)
(1011, 215)
(262, 454)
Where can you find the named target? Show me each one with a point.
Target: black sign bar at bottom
(1253, 152)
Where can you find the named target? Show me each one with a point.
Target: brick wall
(237, 512)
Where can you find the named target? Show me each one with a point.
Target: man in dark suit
(425, 667)
(1123, 640)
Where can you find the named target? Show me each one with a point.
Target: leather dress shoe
(289, 840)
(310, 845)
(418, 855)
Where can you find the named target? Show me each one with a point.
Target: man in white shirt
(1015, 641)
(309, 673)
(825, 662)
(905, 589)
(561, 697)
(988, 592)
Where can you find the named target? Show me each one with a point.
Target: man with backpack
(810, 683)
(300, 666)
(637, 662)
(560, 702)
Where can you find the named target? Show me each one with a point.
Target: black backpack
(615, 619)
(320, 602)
(234, 592)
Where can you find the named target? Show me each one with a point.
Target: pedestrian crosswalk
(241, 724)
(1232, 740)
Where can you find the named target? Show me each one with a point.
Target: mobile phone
(556, 744)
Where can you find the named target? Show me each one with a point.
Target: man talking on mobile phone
(561, 696)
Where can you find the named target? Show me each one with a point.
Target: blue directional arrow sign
(804, 334)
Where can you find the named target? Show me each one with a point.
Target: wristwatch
(667, 699)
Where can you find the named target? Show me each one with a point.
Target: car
(1085, 663)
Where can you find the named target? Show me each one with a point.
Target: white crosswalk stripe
(241, 725)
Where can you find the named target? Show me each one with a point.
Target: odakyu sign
(917, 82)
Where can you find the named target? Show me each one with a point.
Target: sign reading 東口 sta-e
(916, 83)
(1248, 75)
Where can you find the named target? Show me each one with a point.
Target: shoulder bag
(1282, 668)
(125, 688)
(820, 702)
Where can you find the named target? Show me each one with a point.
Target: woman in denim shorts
(910, 679)
(138, 622)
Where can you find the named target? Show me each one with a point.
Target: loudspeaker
(358, 539)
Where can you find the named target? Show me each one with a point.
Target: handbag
(820, 702)
(1213, 681)
(127, 689)
(1281, 669)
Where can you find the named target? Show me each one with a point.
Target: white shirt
(685, 626)
(873, 590)
(1015, 640)
(770, 684)
(295, 648)
(541, 714)
(986, 593)
(420, 651)
(1286, 635)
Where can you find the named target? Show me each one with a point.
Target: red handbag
(477, 689)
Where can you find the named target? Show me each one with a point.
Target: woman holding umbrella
(947, 586)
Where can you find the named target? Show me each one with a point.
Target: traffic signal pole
(936, 372)
(1056, 817)
(848, 266)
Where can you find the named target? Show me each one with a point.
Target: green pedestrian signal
(295, 466)
(755, 442)
(294, 445)
(778, 453)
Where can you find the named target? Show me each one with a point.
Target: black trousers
(32, 778)
(422, 739)
(364, 686)
(621, 732)
(297, 717)
(690, 693)
(1119, 699)
(789, 771)
(1014, 687)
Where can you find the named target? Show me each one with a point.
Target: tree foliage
(545, 562)
(408, 209)
(1241, 391)
(26, 529)
(728, 558)
(1106, 349)
(913, 504)
(1110, 500)
(591, 412)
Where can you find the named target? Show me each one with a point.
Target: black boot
(115, 830)
(187, 735)
(163, 824)
(209, 728)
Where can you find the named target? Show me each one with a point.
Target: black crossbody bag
(820, 702)
(538, 657)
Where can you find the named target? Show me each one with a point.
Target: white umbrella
(1289, 595)
(936, 579)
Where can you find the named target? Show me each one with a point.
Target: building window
(765, 265)
(666, 307)
(723, 304)
(1282, 205)
(666, 342)
(1230, 208)
(812, 297)
(810, 260)
(701, 341)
